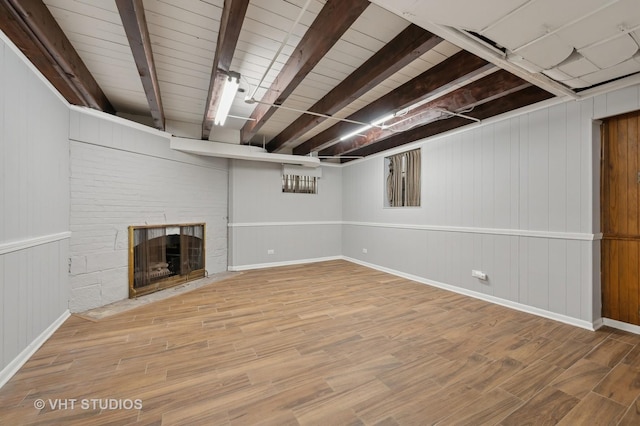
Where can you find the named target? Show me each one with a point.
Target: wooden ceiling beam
(20, 35)
(233, 15)
(521, 98)
(458, 68)
(331, 23)
(135, 26)
(407, 46)
(31, 27)
(491, 87)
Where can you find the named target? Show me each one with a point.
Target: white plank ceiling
(183, 35)
(575, 44)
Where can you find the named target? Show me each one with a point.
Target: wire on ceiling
(284, 42)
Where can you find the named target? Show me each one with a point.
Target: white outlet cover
(478, 274)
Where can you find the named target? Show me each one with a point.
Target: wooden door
(621, 218)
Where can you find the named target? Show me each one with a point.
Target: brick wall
(121, 177)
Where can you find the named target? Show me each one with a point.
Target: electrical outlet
(478, 274)
(364, 250)
(271, 251)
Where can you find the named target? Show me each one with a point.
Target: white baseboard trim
(12, 368)
(598, 323)
(487, 298)
(631, 328)
(236, 268)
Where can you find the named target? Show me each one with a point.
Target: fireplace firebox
(162, 256)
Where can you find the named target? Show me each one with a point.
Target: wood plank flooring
(330, 343)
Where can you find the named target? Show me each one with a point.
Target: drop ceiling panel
(606, 23)
(577, 83)
(539, 34)
(469, 15)
(533, 21)
(612, 52)
(627, 67)
(558, 75)
(546, 53)
(578, 68)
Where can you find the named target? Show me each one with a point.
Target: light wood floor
(331, 343)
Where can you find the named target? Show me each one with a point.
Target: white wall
(122, 175)
(515, 198)
(34, 208)
(295, 226)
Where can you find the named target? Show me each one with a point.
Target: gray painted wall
(294, 226)
(515, 198)
(34, 205)
(124, 175)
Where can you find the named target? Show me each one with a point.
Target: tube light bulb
(228, 94)
(375, 123)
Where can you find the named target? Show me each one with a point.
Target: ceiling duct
(239, 152)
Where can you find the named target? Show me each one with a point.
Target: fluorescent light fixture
(383, 119)
(228, 94)
(355, 132)
(375, 123)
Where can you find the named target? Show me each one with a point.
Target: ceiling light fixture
(376, 123)
(229, 91)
